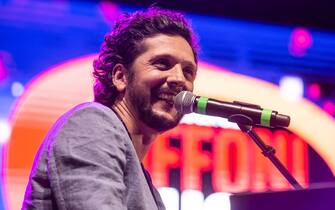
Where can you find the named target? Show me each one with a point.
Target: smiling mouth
(167, 97)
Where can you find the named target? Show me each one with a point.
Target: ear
(119, 77)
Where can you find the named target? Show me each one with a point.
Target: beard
(143, 104)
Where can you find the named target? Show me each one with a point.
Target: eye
(189, 73)
(162, 64)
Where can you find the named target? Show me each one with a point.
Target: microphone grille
(184, 102)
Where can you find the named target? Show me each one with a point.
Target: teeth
(166, 96)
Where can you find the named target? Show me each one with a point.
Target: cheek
(154, 82)
(190, 86)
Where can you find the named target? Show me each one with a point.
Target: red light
(329, 107)
(314, 91)
(109, 10)
(300, 41)
(3, 71)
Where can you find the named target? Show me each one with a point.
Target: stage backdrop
(45, 69)
(181, 157)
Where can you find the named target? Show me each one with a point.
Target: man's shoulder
(89, 121)
(89, 107)
(90, 113)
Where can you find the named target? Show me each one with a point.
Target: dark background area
(318, 14)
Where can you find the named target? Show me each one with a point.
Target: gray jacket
(87, 161)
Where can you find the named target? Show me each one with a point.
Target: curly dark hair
(123, 45)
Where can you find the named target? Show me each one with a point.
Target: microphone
(238, 112)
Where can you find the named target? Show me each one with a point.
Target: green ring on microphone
(201, 105)
(265, 117)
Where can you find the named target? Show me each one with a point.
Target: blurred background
(278, 54)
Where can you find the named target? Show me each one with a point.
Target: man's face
(165, 68)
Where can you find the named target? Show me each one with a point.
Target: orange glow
(235, 162)
(308, 121)
(47, 97)
(194, 159)
(164, 157)
(226, 178)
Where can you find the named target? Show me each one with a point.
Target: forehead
(175, 46)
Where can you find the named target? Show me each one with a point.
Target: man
(91, 158)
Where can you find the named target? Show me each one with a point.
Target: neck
(140, 134)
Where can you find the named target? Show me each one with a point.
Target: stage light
(3, 72)
(205, 120)
(314, 91)
(329, 107)
(291, 88)
(170, 197)
(6, 60)
(109, 11)
(217, 201)
(192, 199)
(17, 89)
(5, 131)
(300, 41)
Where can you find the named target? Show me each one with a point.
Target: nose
(176, 78)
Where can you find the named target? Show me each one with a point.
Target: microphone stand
(244, 123)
